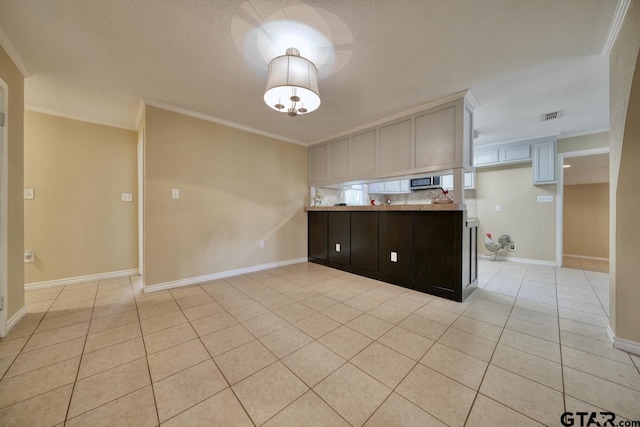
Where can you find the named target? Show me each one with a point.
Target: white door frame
(560, 191)
(141, 202)
(4, 189)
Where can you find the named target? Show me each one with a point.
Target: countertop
(426, 207)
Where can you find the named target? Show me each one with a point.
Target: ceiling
(586, 170)
(96, 60)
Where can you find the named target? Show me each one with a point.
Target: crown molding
(616, 24)
(513, 141)
(565, 135)
(77, 117)
(471, 98)
(201, 116)
(6, 44)
(379, 122)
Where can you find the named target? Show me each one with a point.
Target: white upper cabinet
(395, 147)
(425, 141)
(435, 138)
(339, 160)
(544, 163)
(390, 187)
(318, 164)
(469, 181)
(363, 154)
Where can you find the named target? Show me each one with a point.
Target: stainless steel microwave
(426, 183)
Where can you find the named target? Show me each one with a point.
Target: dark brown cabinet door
(339, 238)
(438, 253)
(318, 235)
(364, 241)
(396, 240)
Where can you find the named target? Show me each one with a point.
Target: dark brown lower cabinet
(317, 241)
(339, 249)
(438, 253)
(364, 241)
(430, 251)
(395, 254)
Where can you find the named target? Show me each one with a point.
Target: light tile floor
(306, 345)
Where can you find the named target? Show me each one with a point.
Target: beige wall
(530, 224)
(624, 93)
(236, 188)
(583, 142)
(586, 220)
(77, 224)
(10, 74)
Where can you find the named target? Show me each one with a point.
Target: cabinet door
(318, 164)
(395, 147)
(437, 251)
(404, 186)
(339, 250)
(469, 180)
(373, 188)
(339, 160)
(318, 235)
(363, 155)
(364, 241)
(486, 157)
(396, 237)
(392, 187)
(544, 163)
(436, 138)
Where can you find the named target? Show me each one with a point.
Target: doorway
(583, 206)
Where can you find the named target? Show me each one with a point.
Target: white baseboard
(594, 258)
(521, 260)
(79, 279)
(15, 319)
(622, 344)
(221, 275)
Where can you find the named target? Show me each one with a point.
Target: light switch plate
(29, 256)
(337, 247)
(175, 193)
(498, 208)
(29, 194)
(394, 256)
(127, 197)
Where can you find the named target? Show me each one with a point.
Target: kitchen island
(430, 248)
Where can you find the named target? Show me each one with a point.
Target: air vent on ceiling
(551, 116)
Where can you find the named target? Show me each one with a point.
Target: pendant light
(292, 87)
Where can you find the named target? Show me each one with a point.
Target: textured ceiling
(521, 58)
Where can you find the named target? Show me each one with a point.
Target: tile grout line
(84, 344)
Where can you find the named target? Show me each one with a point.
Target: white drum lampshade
(292, 87)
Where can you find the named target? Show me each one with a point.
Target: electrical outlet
(394, 256)
(261, 244)
(127, 197)
(337, 247)
(29, 194)
(545, 199)
(29, 256)
(498, 208)
(512, 247)
(175, 193)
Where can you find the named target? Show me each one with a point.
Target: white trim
(79, 279)
(595, 258)
(13, 54)
(15, 319)
(471, 98)
(616, 24)
(219, 121)
(419, 108)
(221, 275)
(565, 135)
(622, 344)
(560, 194)
(51, 112)
(521, 260)
(512, 141)
(4, 198)
(141, 109)
(140, 153)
